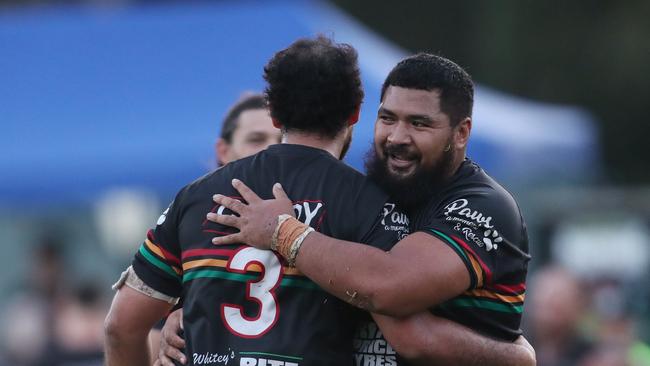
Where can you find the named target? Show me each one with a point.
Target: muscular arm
(418, 273)
(127, 326)
(425, 339)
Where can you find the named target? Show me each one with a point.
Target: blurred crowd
(574, 321)
(52, 317)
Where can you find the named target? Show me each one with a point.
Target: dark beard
(411, 192)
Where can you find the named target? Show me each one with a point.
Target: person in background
(53, 318)
(78, 328)
(555, 309)
(27, 319)
(246, 130)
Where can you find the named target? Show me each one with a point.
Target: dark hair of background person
(314, 86)
(248, 102)
(425, 71)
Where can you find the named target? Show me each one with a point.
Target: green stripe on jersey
(484, 304)
(271, 354)
(157, 262)
(240, 277)
(453, 243)
(208, 273)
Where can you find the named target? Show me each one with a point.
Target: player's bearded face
(413, 151)
(408, 190)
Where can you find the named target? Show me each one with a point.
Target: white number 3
(260, 291)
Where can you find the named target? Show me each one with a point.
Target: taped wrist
(291, 235)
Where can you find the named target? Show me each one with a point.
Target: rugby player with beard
(467, 255)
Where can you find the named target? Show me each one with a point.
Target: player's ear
(354, 117)
(276, 123)
(222, 150)
(462, 132)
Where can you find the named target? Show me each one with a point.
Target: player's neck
(456, 162)
(332, 146)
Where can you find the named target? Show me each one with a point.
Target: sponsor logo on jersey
(491, 238)
(371, 349)
(212, 358)
(309, 212)
(394, 220)
(459, 209)
(475, 226)
(215, 358)
(250, 361)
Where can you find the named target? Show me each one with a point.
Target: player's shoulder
(477, 199)
(477, 209)
(474, 199)
(357, 183)
(215, 181)
(219, 176)
(351, 174)
(473, 183)
(317, 165)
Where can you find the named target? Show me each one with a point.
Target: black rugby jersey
(244, 306)
(482, 223)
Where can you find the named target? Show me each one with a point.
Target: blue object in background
(94, 98)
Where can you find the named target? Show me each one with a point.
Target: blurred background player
(53, 318)
(556, 307)
(573, 320)
(246, 130)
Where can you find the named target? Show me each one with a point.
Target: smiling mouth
(400, 163)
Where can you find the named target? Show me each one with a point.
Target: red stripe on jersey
(168, 256)
(201, 252)
(219, 232)
(512, 289)
(488, 273)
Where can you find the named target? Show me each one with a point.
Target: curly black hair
(314, 86)
(425, 71)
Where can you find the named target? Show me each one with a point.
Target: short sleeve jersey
(245, 306)
(482, 223)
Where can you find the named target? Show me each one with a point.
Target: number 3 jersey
(244, 306)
